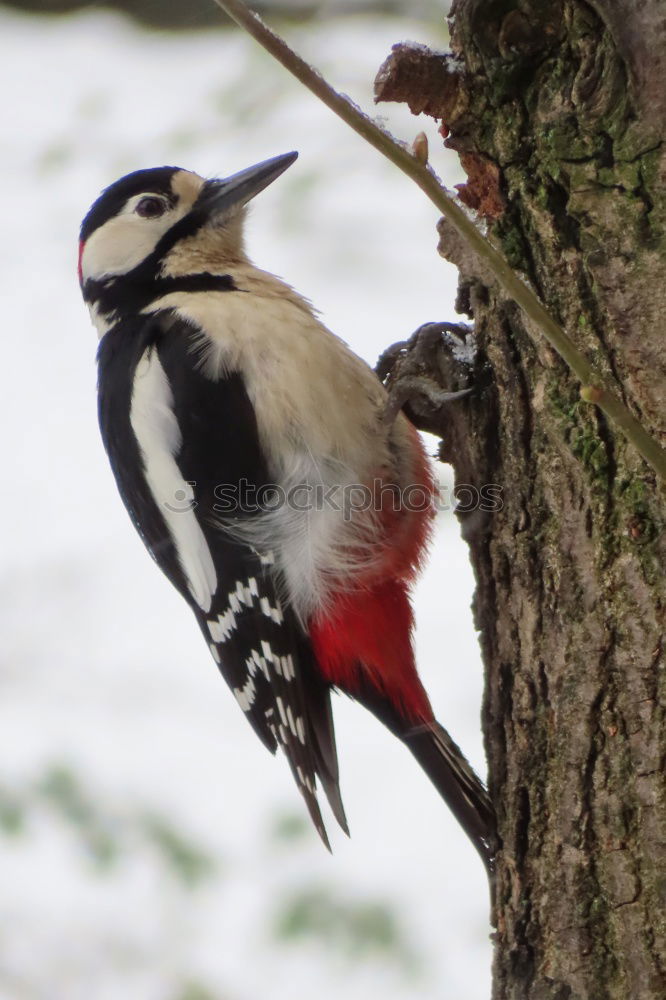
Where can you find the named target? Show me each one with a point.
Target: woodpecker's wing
(179, 442)
(268, 663)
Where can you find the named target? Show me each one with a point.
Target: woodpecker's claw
(410, 389)
(416, 371)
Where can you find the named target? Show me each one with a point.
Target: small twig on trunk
(516, 287)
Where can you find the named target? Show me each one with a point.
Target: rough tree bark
(558, 111)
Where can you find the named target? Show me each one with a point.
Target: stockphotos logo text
(234, 499)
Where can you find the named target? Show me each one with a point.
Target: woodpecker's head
(156, 226)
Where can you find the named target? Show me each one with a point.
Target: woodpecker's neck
(213, 249)
(121, 298)
(188, 258)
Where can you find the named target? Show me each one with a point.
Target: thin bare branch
(422, 175)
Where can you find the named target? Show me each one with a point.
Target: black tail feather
(454, 779)
(323, 733)
(446, 766)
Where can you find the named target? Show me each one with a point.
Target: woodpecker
(252, 450)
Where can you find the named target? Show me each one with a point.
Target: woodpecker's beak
(219, 196)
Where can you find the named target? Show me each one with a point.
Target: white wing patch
(159, 438)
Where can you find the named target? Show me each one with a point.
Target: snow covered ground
(115, 730)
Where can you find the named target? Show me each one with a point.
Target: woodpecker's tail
(444, 763)
(446, 766)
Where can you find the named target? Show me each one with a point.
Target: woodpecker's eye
(150, 207)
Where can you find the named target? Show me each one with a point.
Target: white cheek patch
(159, 438)
(120, 244)
(124, 241)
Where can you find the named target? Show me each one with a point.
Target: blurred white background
(150, 848)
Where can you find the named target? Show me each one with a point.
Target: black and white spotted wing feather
(169, 474)
(267, 662)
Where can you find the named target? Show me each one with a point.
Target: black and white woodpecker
(242, 433)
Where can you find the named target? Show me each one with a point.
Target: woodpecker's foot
(412, 389)
(427, 371)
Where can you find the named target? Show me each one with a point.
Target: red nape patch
(82, 245)
(371, 630)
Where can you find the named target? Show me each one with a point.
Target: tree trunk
(558, 110)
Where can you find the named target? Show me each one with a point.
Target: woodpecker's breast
(318, 410)
(308, 389)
